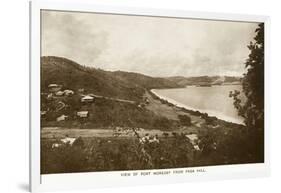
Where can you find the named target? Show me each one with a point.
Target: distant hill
(119, 84)
(205, 80)
(126, 85)
(145, 81)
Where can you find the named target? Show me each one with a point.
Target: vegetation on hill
(145, 81)
(122, 85)
(217, 147)
(103, 112)
(205, 80)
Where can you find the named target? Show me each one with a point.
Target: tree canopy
(252, 109)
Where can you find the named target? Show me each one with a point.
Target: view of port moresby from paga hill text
(128, 92)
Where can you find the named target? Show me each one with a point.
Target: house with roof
(54, 87)
(193, 138)
(59, 93)
(87, 99)
(83, 114)
(68, 140)
(43, 114)
(62, 118)
(68, 92)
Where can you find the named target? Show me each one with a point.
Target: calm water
(213, 100)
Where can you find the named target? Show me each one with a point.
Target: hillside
(145, 81)
(205, 80)
(119, 84)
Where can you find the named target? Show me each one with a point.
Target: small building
(87, 99)
(59, 93)
(68, 140)
(83, 114)
(62, 118)
(56, 145)
(43, 113)
(141, 105)
(50, 96)
(54, 87)
(146, 101)
(193, 138)
(68, 92)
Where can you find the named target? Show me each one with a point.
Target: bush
(63, 159)
(79, 142)
(185, 120)
(162, 123)
(211, 120)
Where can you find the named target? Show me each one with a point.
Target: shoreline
(202, 111)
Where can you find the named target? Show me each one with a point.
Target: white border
(109, 179)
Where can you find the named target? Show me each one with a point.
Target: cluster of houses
(193, 139)
(56, 91)
(149, 139)
(118, 131)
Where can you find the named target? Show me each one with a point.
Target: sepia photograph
(133, 92)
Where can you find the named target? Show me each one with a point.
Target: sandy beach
(217, 114)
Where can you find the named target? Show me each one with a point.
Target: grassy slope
(145, 81)
(103, 113)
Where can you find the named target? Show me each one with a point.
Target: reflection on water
(213, 100)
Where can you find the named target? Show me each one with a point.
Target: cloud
(150, 45)
(65, 34)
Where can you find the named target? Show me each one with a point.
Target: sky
(155, 46)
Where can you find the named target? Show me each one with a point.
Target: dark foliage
(253, 87)
(116, 154)
(185, 120)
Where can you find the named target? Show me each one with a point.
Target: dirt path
(113, 99)
(59, 132)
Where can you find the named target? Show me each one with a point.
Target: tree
(252, 108)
